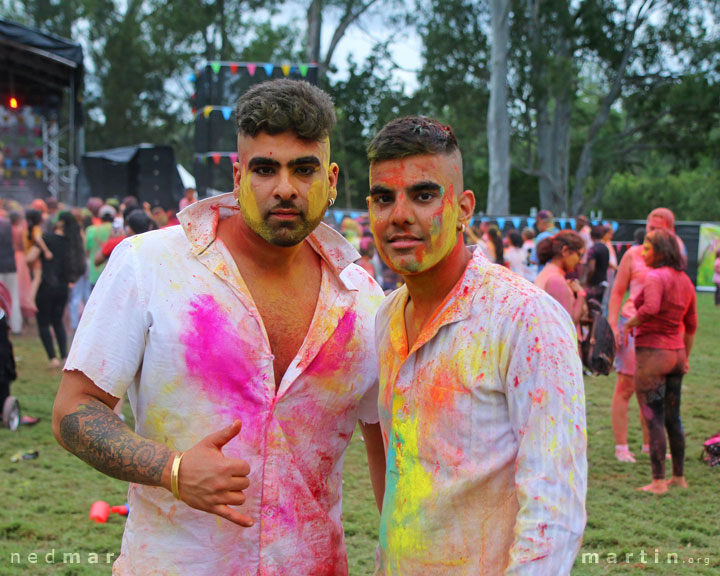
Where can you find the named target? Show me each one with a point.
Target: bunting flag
(269, 69)
(233, 157)
(251, 69)
(562, 222)
(207, 110)
(594, 222)
(531, 222)
(338, 216)
(215, 66)
(23, 163)
(573, 224)
(23, 172)
(303, 70)
(216, 158)
(38, 174)
(484, 219)
(501, 223)
(517, 222)
(285, 69)
(192, 78)
(614, 226)
(226, 112)
(38, 164)
(233, 68)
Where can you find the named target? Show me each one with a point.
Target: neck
(246, 247)
(558, 263)
(428, 289)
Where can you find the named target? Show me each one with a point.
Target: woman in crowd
(494, 240)
(664, 325)
(66, 265)
(561, 254)
(19, 233)
(514, 255)
(34, 247)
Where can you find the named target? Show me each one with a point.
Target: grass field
(45, 502)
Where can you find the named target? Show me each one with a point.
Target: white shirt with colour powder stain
(172, 323)
(484, 426)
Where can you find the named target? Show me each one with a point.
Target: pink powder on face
(216, 353)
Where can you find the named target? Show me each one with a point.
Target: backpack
(597, 349)
(711, 450)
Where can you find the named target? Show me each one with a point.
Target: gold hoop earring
(331, 202)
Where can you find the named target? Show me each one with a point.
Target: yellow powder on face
(247, 200)
(317, 199)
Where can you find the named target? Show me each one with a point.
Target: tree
(498, 121)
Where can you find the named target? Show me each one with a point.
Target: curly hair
(285, 106)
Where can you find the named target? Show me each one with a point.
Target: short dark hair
(515, 238)
(666, 248)
(411, 136)
(285, 106)
(597, 232)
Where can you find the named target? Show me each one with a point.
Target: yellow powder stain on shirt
(413, 486)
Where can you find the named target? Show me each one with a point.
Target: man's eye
(426, 196)
(382, 198)
(264, 170)
(306, 170)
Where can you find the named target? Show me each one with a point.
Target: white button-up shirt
(172, 323)
(484, 426)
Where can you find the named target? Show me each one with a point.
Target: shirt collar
(456, 307)
(200, 220)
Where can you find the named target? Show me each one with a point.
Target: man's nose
(285, 189)
(402, 212)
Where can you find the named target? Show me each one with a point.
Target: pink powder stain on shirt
(215, 351)
(334, 354)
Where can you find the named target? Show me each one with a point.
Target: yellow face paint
(247, 201)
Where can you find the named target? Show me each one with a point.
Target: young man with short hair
(481, 394)
(250, 314)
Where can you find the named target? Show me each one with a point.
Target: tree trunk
(498, 123)
(314, 30)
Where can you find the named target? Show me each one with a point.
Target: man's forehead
(283, 144)
(427, 167)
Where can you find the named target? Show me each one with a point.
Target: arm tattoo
(95, 434)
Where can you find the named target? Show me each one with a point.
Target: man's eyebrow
(379, 189)
(423, 186)
(260, 161)
(304, 161)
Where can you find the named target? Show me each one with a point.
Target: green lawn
(45, 502)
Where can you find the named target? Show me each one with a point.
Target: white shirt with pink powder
(172, 323)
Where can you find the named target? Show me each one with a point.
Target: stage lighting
(13, 103)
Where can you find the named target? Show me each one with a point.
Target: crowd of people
(255, 337)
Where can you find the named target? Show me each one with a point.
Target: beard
(283, 233)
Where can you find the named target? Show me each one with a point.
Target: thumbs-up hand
(209, 481)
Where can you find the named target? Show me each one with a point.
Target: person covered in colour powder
(630, 275)
(250, 314)
(665, 323)
(481, 395)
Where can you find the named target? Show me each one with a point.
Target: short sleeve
(368, 408)
(110, 340)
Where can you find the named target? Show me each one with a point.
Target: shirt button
(269, 511)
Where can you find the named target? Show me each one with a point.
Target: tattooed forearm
(95, 434)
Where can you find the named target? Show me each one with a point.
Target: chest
(286, 312)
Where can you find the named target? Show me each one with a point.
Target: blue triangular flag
(226, 112)
(517, 222)
(269, 69)
(573, 224)
(338, 216)
(484, 219)
(531, 222)
(614, 226)
(562, 222)
(501, 223)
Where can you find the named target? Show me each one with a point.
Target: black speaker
(157, 179)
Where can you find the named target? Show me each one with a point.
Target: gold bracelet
(174, 473)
